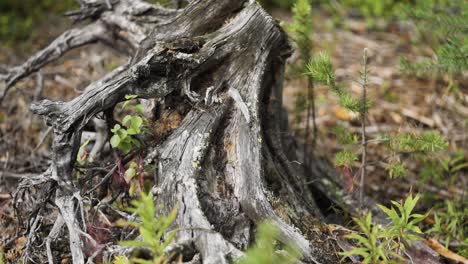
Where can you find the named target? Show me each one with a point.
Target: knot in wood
(140, 72)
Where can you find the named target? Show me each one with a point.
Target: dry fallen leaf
(343, 114)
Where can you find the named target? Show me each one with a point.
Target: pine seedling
(362, 113)
(301, 30)
(321, 69)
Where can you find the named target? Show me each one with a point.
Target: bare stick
(68, 40)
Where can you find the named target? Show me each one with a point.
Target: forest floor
(401, 103)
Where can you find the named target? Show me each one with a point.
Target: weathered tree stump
(230, 163)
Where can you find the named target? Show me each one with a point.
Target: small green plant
(450, 224)
(300, 31)
(383, 244)
(264, 251)
(370, 245)
(403, 227)
(123, 138)
(152, 230)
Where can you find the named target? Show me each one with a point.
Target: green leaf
(410, 203)
(130, 96)
(140, 108)
(356, 251)
(116, 128)
(126, 119)
(121, 260)
(132, 131)
(146, 234)
(122, 134)
(137, 121)
(391, 213)
(362, 240)
(129, 174)
(133, 164)
(125, 146)
(459, 167)
(125, 104)
(115, 141)
(135, 125)
(432, 141)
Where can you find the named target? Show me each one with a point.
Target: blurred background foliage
(18, 18)
(372, 10)
(366, 8)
